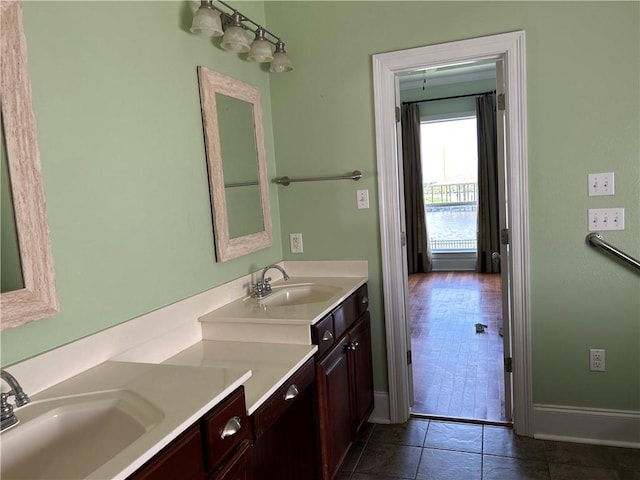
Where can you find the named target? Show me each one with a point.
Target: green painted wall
(583, 97)
(120, 133)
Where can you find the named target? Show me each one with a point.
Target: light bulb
(281, 61)
(206, 21)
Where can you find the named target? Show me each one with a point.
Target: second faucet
(262, 287)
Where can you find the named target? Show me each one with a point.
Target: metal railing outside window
(451, 211)
(454, 193)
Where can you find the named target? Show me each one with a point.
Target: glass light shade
(260, 51)
(206, 21)
(281, 63)
(235, 40)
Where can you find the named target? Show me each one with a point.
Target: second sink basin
(299, 294)
(70, 437)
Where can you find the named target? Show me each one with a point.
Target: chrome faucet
(262, 287)
(7, 417)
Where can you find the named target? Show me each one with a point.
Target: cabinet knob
(365, 300)
(327, 336)
(292, 392)
(352, 346)
(232, 427)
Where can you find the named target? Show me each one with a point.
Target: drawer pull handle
(327, 336)
(365, 300)
(232, 427)
(292, 392)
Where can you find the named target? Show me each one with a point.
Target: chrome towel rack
(240, 184)
(596, 240)
(355, 175)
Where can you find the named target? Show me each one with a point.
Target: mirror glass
(234, 141)
(11, 269)
(239, 165)
(30, 294)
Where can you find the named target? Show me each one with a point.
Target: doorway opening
(456, 336)
(509, 48)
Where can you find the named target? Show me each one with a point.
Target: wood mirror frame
(38, 298)
(212, 83)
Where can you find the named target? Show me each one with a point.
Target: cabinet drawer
(351, 309)
(285, 396)
(323, 334)
(362, 299)
(226, 426)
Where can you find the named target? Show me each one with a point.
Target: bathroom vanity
(275, 388)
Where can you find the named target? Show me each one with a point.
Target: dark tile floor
(438, 450)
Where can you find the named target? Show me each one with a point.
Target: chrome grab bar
(596, 240)
(355, 175)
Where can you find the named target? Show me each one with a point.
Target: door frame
(511, 48)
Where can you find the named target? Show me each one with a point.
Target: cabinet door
(361, 363)
(334, 407)
(285, 446)
(238, 467)
(182, 459)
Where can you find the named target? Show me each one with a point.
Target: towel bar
(355, 175)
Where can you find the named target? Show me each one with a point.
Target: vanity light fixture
(234, 28)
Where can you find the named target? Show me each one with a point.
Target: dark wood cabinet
(284, 443)
(303, 431)
(238, 467)
(344, 380)
(217, 447)
(182, 458)
(334, 409)
(361, 370)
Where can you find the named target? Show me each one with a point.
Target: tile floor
(439, 450)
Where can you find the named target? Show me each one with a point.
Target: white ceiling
(447, 75)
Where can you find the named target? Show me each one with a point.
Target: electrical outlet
(606, 219)
(601, 184)
(597, 360)
(295, 241)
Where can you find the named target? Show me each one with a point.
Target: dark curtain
(418, 253)
(488, 200)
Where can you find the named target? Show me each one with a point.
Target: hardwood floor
(456, 371)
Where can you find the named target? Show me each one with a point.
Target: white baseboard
(618, 428)
(381, 410)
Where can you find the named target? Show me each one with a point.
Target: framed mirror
(26, 248)
(234, 143)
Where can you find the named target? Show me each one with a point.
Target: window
(450, 180)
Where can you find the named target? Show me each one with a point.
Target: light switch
(606, 219)
(601, 184)
(363, 198)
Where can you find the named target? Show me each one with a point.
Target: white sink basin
(70, 437)
(301, 294)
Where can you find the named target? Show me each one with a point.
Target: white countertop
(271, 364)
(182, 393)
(251, 310)
(257, 349)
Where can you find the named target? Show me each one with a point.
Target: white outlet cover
(295, 242)
(362, 198)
